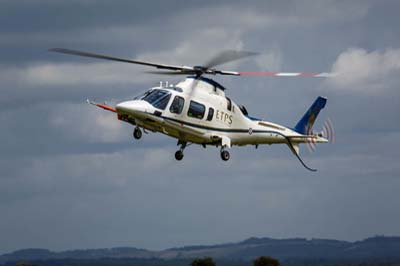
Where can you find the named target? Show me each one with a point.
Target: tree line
(261, 261)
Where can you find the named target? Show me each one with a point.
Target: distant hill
(44, 254)
(370, 248)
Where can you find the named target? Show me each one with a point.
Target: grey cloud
(79, 176)
(370, 72)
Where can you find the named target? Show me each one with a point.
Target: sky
(72, 176)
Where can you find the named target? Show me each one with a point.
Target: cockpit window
(158, 98)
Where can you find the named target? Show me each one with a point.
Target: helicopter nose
(132, 107)
(123, 107)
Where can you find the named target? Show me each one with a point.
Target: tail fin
(306, 123)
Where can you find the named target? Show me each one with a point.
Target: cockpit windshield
(158, 98)
(141, 96)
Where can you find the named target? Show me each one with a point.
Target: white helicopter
(197, 110)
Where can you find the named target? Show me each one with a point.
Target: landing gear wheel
(225, 155)
(137, 133)
(179, 155)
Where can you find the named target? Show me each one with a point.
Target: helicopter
(197, 110)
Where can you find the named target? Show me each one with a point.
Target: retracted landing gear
(179, 153)
(137, 133)
(225, 154)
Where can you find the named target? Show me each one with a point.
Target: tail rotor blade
(311, 145)
(328, 132)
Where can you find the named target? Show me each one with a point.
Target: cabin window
(177, 105)
(158, 98)
(210, 114)
(229, 104)
(196, 110)
(243, 110)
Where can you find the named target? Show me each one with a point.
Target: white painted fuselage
(227, 125)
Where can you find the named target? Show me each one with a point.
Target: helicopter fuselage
(198, 111)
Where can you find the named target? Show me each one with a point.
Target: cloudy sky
(71, 175)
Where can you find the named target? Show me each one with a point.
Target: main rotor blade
(288, 74)
(171, 73)
(221, 58)
(227, 56)
(106, 57)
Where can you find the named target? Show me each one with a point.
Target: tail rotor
(328, 132)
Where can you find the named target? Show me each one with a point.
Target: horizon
(201, 245)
